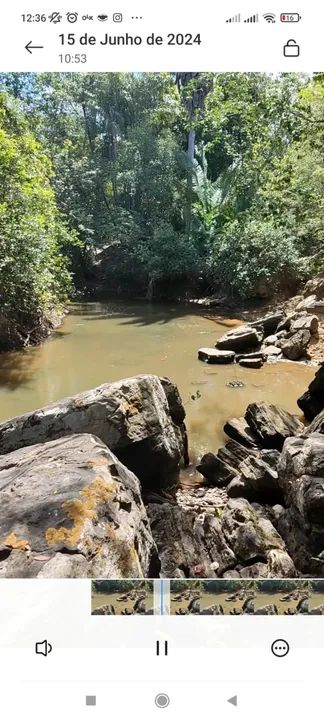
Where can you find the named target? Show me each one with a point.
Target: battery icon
(290, 17)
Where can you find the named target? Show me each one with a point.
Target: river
(102, 342)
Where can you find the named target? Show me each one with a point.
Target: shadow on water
(144, 314)
(16, 369)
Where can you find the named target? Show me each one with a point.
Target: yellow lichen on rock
(80, 510)
(13, 542)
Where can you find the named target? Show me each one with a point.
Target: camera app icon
(117, 17)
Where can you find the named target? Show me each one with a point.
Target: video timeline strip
(207, 597)
(269, 17)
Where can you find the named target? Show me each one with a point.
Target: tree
(34, 278)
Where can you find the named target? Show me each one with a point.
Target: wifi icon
(270, 17)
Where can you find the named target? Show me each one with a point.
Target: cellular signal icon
(235, 18)
(252, 19)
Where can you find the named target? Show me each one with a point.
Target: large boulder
(312, 401)
(301, 477)
(308, 322)
(269, 323)
(240, 339)
(69, 508)
(294, 346)
(140, 419)
(272, 424)
(316, 426)
(261, 479)
(220, 469)
(250, 535)
(190, 545)
(306, 303)
(314, 287)
(237, 429)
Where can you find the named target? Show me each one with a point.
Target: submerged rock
(69, 508)
(140, 419)
(272, 424)
(216, 357)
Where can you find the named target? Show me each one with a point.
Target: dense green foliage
(157, 184)
(34, 279)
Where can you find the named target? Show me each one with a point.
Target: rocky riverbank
(289, 330)
(90, 487)
(274, 337)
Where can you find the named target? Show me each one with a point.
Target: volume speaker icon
(252, 19)
(234, 19)
(43, 648)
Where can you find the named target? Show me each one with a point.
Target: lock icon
(291, 49)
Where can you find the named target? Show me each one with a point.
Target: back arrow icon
(29, 47)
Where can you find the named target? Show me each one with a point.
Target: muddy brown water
(103, 342)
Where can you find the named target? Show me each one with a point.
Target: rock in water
(269, 323)
(294, 345)
(252, 363)
(220, 469)
(271, 424)
(238, 429)
(312, 401)
(216, 357)
(271, 351)
(140, 419)
(240, 339)
(71, 502)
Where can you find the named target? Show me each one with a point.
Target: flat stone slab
(254, 363)
(250, 356)
(240, 339)
(216, 357)
(272, 350)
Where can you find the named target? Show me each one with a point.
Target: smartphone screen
(161, 360)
